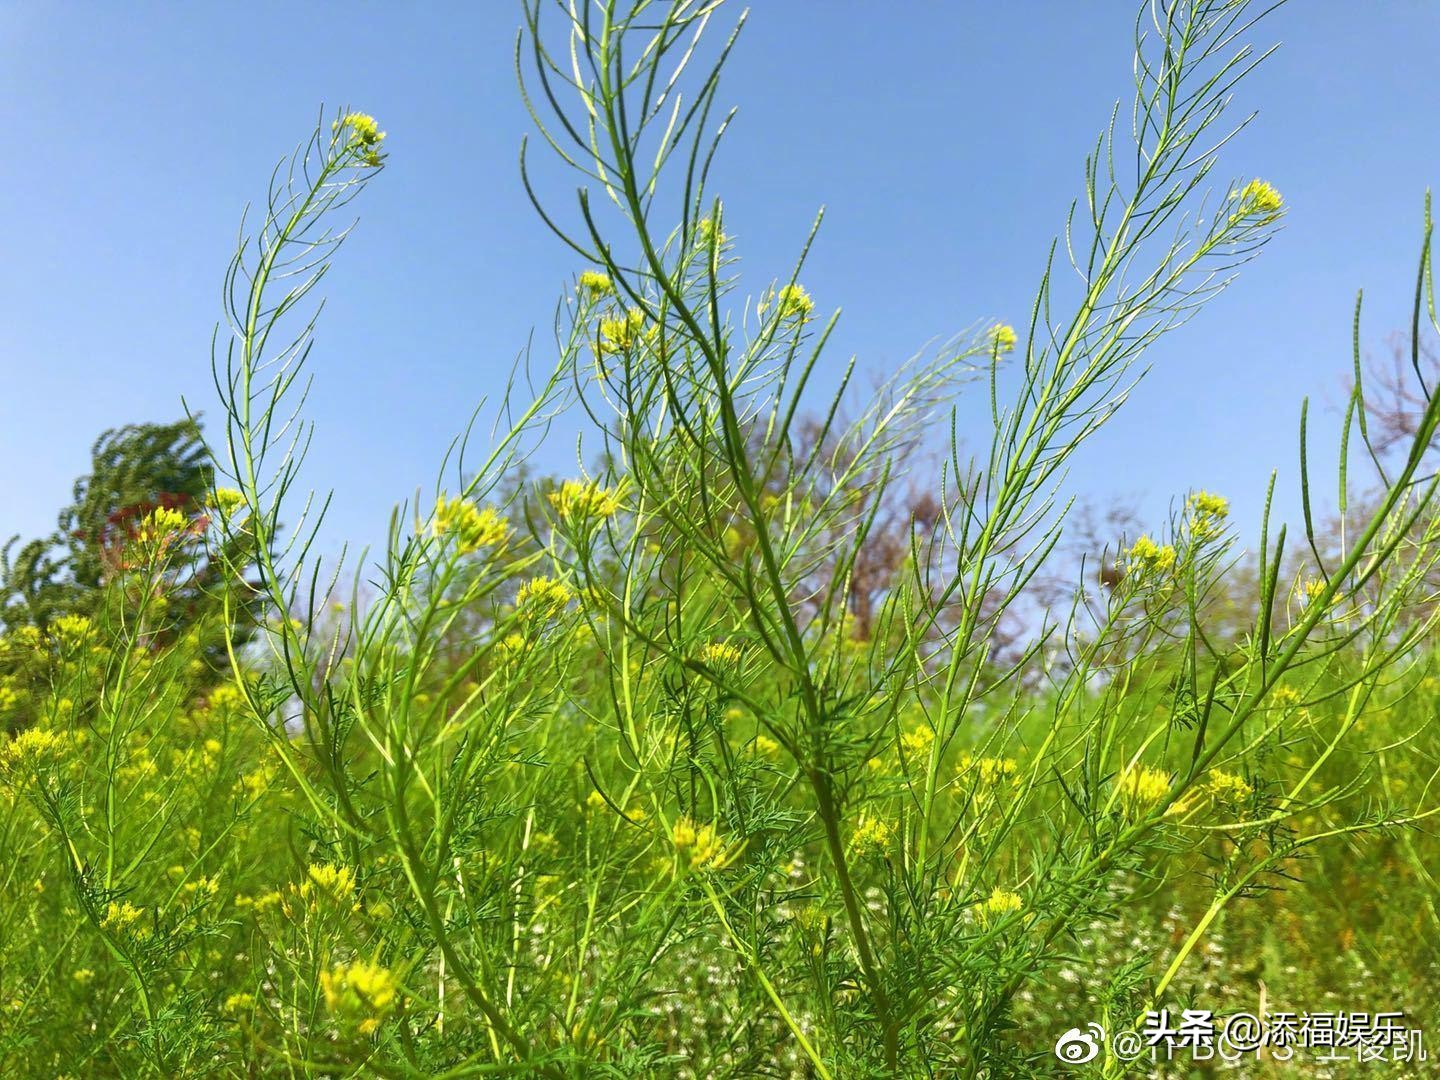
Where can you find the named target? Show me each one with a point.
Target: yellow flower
(578, 502)
(119, 917)
(1002, 338)
(1309, 590)
(543, 597)
(201, 887)
(699, 846)
(763, 744)
(1284, 696)
(1258, 197)
(22, 639)
(709, 235)
(261, 904)
(72, 630)
(1000, 903)
(139, 767)
(1203, 502)
(256, 782)
(328, 880)
(990, 770)
(1143, 786)
(30, 749)
(225, 696)
(596, 284)
(620, 332)
(1207, 512)
(472, 526)
(1145, 554)
(1227, 787)
(362, 126)
(238, 1003)
(82, 975)
(791, 302)
(364, 135)
(916, 743)
(720, 654)
(226, 500)
(160, 526)
(359, 994)
(870, 835)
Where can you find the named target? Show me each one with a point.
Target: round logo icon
(1078, 1046)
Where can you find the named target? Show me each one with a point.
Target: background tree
(135, 471)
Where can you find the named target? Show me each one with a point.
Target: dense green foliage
(622, 776)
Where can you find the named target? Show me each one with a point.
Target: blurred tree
(1397, 391)
(135, 470)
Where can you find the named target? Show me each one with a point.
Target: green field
(749, 749)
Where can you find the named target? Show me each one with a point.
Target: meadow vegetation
(706, 760)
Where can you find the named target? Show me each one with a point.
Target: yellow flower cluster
(31, 748)
(871, 834)
(720, 654)
(1227, 787)
(792, 302)
(359, 994)
(1258, 197)
(363, 127)
(1285, 696)
(1209, 505)
(201, 888)
(138, 768)
(1001, 902)
(543, 597)
(472, 526)
(705, 230)
(991, 770)
(765, 745)
(365, 135)
(328, 881)
(1309, 590)
(225, 697)
(812, 918)
(261, 903)
(255, 783)
(121, 917)
(578, 502)
(160, 526)
(916, 743)
(1143, 786)
(512, 646)
(620, 332)
(595, 284)
(699, 846)
(1146, 555)
(1002, 338)
(1207, 513)
(72, 630)
(21, 640)
(226, 500)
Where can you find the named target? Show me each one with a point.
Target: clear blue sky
(945, 140)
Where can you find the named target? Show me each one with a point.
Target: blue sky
(945, 142)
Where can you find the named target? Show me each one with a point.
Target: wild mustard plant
(607, 777)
